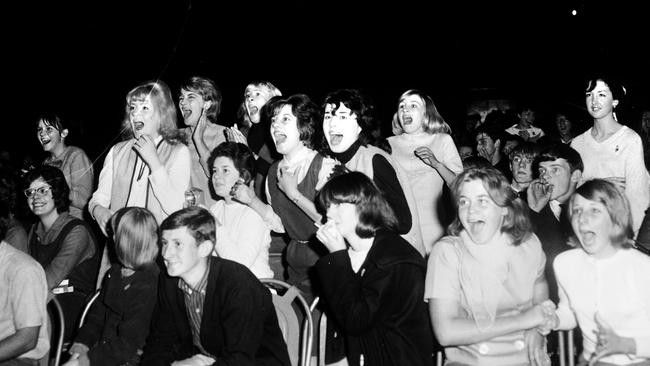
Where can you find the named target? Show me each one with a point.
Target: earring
(614, 115)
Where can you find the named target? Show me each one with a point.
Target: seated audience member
(372, 279)
(16, 235)
(118, 321)
(465, 149)
(521, 166)
(476, 161)
(23, 294)
(209, 310)
(199, 102)
(524, 127)
(604, 283)
(559, 170)
(63, 244)
(510, 142)
(488, 145)
(73, 161)
(485, 282)
(151, 167)
(242, 234)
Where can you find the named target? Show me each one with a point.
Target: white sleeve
(636, 181)
(242, 244)
(564, 313)
(102, 196)
(170, 181)
(270, 217)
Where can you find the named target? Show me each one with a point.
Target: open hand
(609, 342)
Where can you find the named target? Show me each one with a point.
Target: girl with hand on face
(151, 168)
(242, 235)
(485, 282)
(63, 244)
(71, 160)
(423, 147)
(117, 324)
(199, 102)
(611, 150)
(604, 284)
(349, 128)
(372, 279)
(292, 184)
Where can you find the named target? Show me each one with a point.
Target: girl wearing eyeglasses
(61, 243)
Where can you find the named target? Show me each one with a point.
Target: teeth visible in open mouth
(186, 112)
(407, 120)
(588, 236)
(335, 138)
(253, 109)
(45, 141)
(138, 125)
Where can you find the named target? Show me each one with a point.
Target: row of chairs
(298, 337)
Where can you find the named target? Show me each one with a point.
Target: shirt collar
(200, 287)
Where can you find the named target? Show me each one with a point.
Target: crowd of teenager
(482, 243)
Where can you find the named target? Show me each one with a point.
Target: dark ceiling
(80, 59)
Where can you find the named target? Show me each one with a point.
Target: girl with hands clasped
(151, 168)
(372, 279)
(604, 283)
(485, 282)
(423, 147)
(242, 235)
(293, 182)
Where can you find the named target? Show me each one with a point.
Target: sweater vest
(362, 162)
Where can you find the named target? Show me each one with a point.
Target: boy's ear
(205, 248)
(576, 176)
(64, 133)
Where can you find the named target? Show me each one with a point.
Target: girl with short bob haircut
(604, 284)
(292, 184)
(351, 130)
(242, 234)
(117, 324)
(63, 244)
(372, 279)
(485, 282)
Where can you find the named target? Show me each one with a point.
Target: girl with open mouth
(422, 145)
(350, 131)
(485, 282)
(151, 167)
(604, 283)
(73, 161)
(293, 183)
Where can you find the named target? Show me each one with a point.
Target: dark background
(80, 59)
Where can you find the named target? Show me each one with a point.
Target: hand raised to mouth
(146, 148)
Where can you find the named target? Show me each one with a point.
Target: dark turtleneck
(385, 178)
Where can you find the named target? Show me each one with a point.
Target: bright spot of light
(574, 12)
